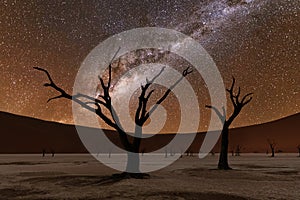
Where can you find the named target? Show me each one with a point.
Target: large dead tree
(238, 103)
(142, 113)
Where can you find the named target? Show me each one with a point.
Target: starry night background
(257, 41)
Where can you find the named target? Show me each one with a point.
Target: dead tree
(272, 146)
(166, 152)
(238, 150)
(143, 151)
(43, 152)
(52, 153)
(238, 103)
(142, 113)
(298, 147)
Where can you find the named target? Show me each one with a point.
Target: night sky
(257, 41)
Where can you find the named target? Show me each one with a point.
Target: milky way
(257, 41)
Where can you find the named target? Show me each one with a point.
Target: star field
(257, 41)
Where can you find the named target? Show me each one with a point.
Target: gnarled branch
(236, 102)
(141, 114)
(186, 72)
(143, 99)
(63, 93)
(222, 117)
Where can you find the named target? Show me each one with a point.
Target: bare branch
(103, 117)
(115, 55)
(90, 98)
(244, 101)
(272, 143)
(238, 94)
(105, 88)
(116, 124)
(64, 94)
(47, 73)
(237, 104)
(57, 97)
(109, 75)
(102, 82)
(141, 114)
(222, 117)
(138, 110)
(143, 99)
(155, 77)
(184, 74)
(224, 112)
(233, 83)
(75, 98)
(148, 96)
(231, 93)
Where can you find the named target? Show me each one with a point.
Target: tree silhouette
(52, 152)
(104, 101)
(238, 104)
(232, 152)
(298, 147)
(272, 145)
(43, 152)
(238, 150)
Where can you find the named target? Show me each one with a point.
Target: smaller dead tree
(166, 152)
(52, 153)
(238, 150)
(272, 146)
(143, 151)
(298, 147)
(238, 103)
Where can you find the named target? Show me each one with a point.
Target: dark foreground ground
(74, 177)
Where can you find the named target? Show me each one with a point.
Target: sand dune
(21, 134)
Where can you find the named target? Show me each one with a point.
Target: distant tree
(238, 150)
(272, 146)
(298, 147)
(166, 152)
(143, 151)
(104, 101)
(189, 152)
(171, 152)
(232, 152)
(43, 152)
(52, 153)
(181, 153)
(238, 104)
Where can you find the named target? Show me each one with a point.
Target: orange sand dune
(21, 134)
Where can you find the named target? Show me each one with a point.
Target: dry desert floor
(74, 177)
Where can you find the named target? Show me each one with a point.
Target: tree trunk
(133, 157)
(273, 152)
(133, 162)
(223, 159)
